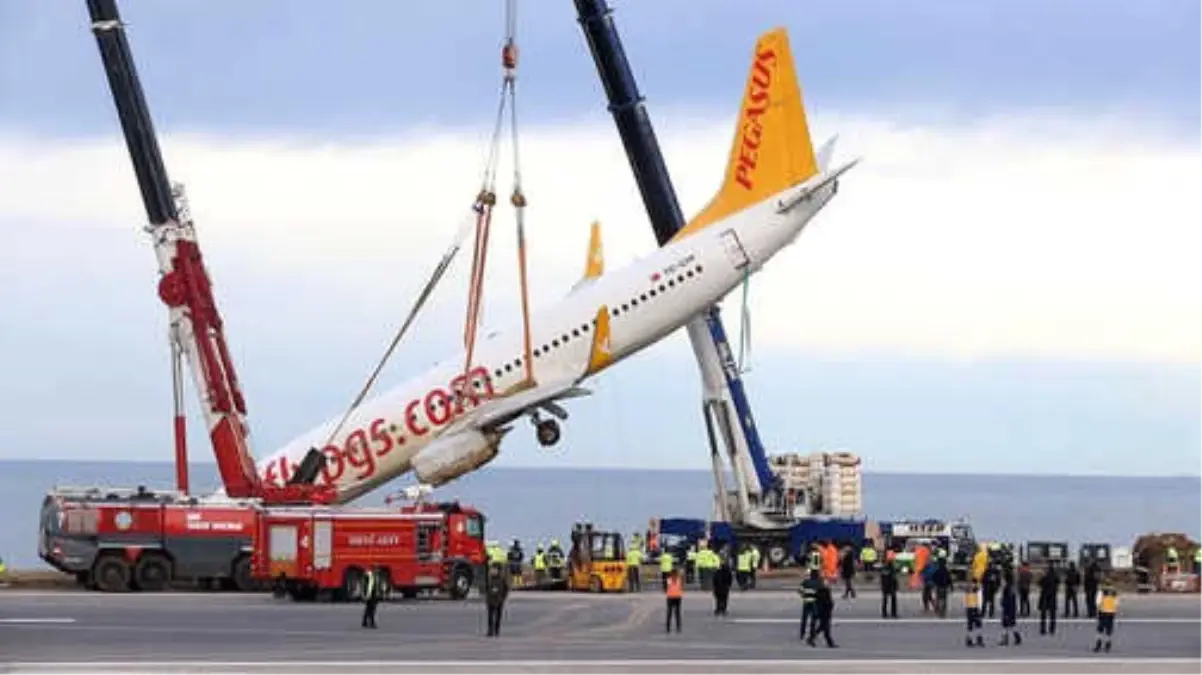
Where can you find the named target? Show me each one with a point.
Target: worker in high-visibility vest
(665, 567)
(707, 564)
(972, 611)
(868, 557)
(540, 566)
(755, 563)
(980, 561)
(1108, 607)
(743, 569)
(634, 560)
(690, 564)
(372, 592)
(1172, 560)
(815, 559)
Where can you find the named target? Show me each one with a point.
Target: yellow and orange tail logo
(772, 149)
(601, 354)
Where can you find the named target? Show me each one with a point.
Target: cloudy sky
(1009, 283)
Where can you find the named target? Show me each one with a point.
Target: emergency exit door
(735, 252)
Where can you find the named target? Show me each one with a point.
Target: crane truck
(761, 509)
(121, 538)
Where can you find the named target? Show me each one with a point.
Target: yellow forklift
(596, 561)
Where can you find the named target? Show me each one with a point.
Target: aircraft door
(735, 252)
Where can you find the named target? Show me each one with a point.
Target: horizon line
(894, 472)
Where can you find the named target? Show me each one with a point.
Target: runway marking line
(961, 621)
(38, 620)
(599, 663)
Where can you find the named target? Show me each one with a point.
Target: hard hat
(555, 542)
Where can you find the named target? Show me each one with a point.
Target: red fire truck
(309, 552)
(121, 539)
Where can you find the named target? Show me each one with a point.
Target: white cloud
(1044, 237)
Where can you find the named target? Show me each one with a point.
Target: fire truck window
(282, 542)
(474, 527)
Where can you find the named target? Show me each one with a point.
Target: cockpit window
(475, 527)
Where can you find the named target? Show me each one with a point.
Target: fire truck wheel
(461, 582)
(243, 581)
(111, 574)
(153, 572)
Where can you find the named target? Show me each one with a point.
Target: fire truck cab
(307, 552)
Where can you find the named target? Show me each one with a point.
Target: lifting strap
(480, 221)
(431, 284)
(486, 199)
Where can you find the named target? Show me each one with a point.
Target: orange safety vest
(1109, 604)
(675, 587)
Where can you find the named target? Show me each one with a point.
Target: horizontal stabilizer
(815, 184)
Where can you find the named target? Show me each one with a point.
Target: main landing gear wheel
(547, 432)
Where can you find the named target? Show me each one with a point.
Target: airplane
(445, 422)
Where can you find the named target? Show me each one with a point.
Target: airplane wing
(546, 393)
(501, 411)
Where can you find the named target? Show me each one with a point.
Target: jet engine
(450, 457)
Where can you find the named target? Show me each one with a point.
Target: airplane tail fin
(772, 149)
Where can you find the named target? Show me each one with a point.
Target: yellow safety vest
(744, 562)
(868, 555)
(665, 562)
(755, 557)
(1109, 604)
(634, 557)
(2, 568)
(972, 600)
(540, 561)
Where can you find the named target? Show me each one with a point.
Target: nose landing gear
(547, 432)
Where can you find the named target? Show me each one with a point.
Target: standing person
(755, 563)
(1049, 583)
(847, 570)
(743, 569)
(941, 579)
(989, 587)
(372, 592)
(809, 600)
(1009, 612)
(972, 612)
(690, 564)
(675, 594)
(1072, 579)
(824, 608)
(1092, 576)
(889, 587)
(1024, 589)
(1108, 607)
(666, 565)
(927, 574)
(516, 557)
(634, 561)
(1197, 560)
(540, 567)
(721, 580)
(496, 590)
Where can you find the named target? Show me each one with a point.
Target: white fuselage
(648, 299)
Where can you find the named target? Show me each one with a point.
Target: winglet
(600, 355)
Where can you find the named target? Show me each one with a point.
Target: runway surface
(63, 631)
